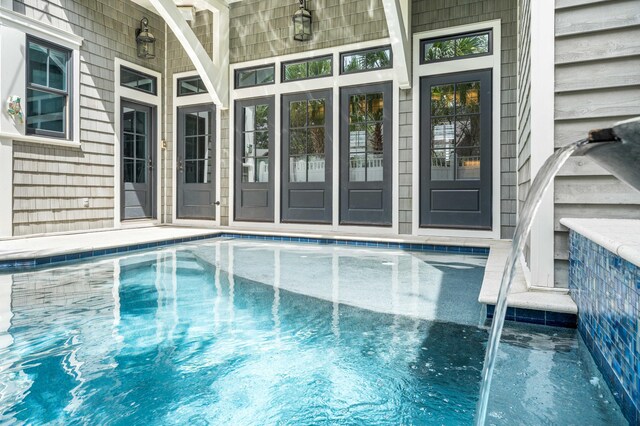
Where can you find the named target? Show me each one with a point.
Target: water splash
(543, 180)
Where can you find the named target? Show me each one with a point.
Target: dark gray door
(306, 157)
(254, 124)
(365, 155)
(455, 150)
(137, 161)
(196, 160)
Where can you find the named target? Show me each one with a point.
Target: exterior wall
(606, 289)
(597, 83)
(431, 15)
(262, 28)
(51, 182)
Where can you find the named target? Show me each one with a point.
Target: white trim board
(334, 83)
(182, 101)
(121, 92)
(458, 65)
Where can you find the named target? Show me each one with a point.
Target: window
(366, 137)
(457, 46)
(248, 77)
(48, 87)
(365, 60)
(138, 81)
(311, 68)
(255, 145)
(191, 86)
(306, 140)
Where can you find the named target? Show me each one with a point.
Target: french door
(137, 177)
(455, 150)
(306, 157)
(196, 160)
(365, 155)
(254, 139)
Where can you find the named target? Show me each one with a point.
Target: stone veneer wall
(606, 289)
(431, 15)
(50, 182)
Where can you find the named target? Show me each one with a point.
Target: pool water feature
(239, 332)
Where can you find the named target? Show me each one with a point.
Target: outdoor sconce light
(302, 23)
(145, 40)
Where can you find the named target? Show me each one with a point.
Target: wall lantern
(145, 40)
(302, 23)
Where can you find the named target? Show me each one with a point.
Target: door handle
(150, 164)
(180, 165)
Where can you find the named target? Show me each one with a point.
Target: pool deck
(521, 295)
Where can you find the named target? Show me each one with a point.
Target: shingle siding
(51, 183)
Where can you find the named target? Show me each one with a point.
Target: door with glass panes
(365, 155)
(455, 150)
(137, 130)
(196, 160)
(306, 155)
(254, 136)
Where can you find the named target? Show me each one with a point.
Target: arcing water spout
(618, 150)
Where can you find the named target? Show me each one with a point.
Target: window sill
(41, 140)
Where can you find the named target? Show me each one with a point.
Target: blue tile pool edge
(18, 265)
(534, 316)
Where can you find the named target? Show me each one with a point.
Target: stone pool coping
(619, 236)
(22, 253)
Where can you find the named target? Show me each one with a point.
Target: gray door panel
(306, 157)
(455, 150)
(137, 154)
(196, 163)
(366, 155)
(254, 145)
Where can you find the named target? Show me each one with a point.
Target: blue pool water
(244, 333)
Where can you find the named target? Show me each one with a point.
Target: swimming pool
(244, 332)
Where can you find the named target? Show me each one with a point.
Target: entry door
(196, 186)
(306, 155)
(137, 161)
(365, 155)
(455, 150)
(254, 129)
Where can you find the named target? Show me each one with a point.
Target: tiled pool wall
(24, 264)
(606, 289)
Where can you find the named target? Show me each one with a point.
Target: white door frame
(334, 83)
(492, 62)
(146, 98)
(182, 101)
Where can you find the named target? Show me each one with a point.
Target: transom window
(255, 136)
(138, 80)
(366, 141)
(365, 60)
(306, 140)
(48, 82)
(455, 131)
(191, 86)
(248, 77)
(456, 46)
(310, 68)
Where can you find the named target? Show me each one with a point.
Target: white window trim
(121, 92)
(63, 38)
(334, 82)
(460, 64)
(191, 100)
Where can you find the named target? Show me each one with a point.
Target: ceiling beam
(214, 73)
(398, 16)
